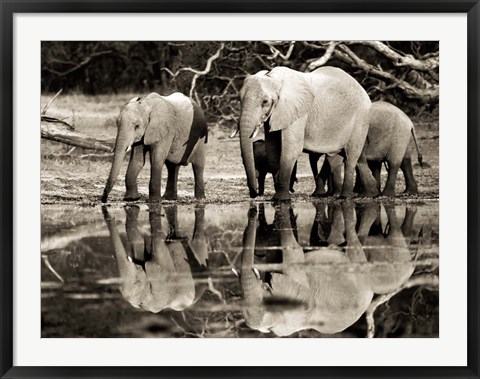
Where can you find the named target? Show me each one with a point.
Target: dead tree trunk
(56, 130)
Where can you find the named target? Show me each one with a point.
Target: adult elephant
(173, 129)
(325, 111)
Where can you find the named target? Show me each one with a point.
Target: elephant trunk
(247, 127)
(121, 146)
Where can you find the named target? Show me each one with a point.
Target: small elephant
(263, 166)
(387, 142)
(158, 271)
(324, 111)
(173, 129)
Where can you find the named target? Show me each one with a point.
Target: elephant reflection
(387, 249)
(299, 296)
(158, 271)
(328, 287)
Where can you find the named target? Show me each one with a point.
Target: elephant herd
(353, 253)
(324, 112)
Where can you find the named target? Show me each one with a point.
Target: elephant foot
(411, 191)
(200, 196)
(347, 195)
(319, 194)
(169, 196)
(388, 193)
(372, 193)
(131, 197)
(281, 196)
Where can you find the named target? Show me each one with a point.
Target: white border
(449, 349)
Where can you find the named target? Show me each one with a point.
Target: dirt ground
(77, 176)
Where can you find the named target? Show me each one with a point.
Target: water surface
(241, 270)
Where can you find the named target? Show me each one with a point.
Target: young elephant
(262, 167)
(173, 129)
(387, 142)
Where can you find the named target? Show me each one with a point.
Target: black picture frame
(10, 8)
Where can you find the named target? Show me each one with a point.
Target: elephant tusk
(235, 272)
(255, 131)
(257, 273)
(235, 132)
(128, 149)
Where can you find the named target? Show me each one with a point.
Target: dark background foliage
(404, 73)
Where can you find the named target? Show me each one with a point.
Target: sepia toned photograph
(239, 189)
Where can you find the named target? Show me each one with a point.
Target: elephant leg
(355, 157)
(410, 182)
(158, 155)
(137, 161)
(291, 149)
(261, 182)
(376, 168)
(293, 178)
(171, 190)
(357, 188)
(198, 166)
(282, 183)
(336, 163)
(389, 189)
(320, 178)
(199, 183)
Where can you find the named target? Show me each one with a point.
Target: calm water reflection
(241, 270)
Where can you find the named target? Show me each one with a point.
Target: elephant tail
(420, 157)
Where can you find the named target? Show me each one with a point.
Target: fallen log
(56, 131)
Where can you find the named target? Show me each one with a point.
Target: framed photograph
(268, 189)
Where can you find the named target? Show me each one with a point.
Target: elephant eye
(137, 126)
(265, 102)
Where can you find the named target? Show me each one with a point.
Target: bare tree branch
(397, 59)
(426, 95)
(77, 66)
(325, 58)
(50, 102)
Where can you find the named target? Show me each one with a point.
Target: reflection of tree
(429, 281)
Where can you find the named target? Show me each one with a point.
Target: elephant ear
(159, 123)
(294, 98)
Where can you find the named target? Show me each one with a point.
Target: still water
(241, 270)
